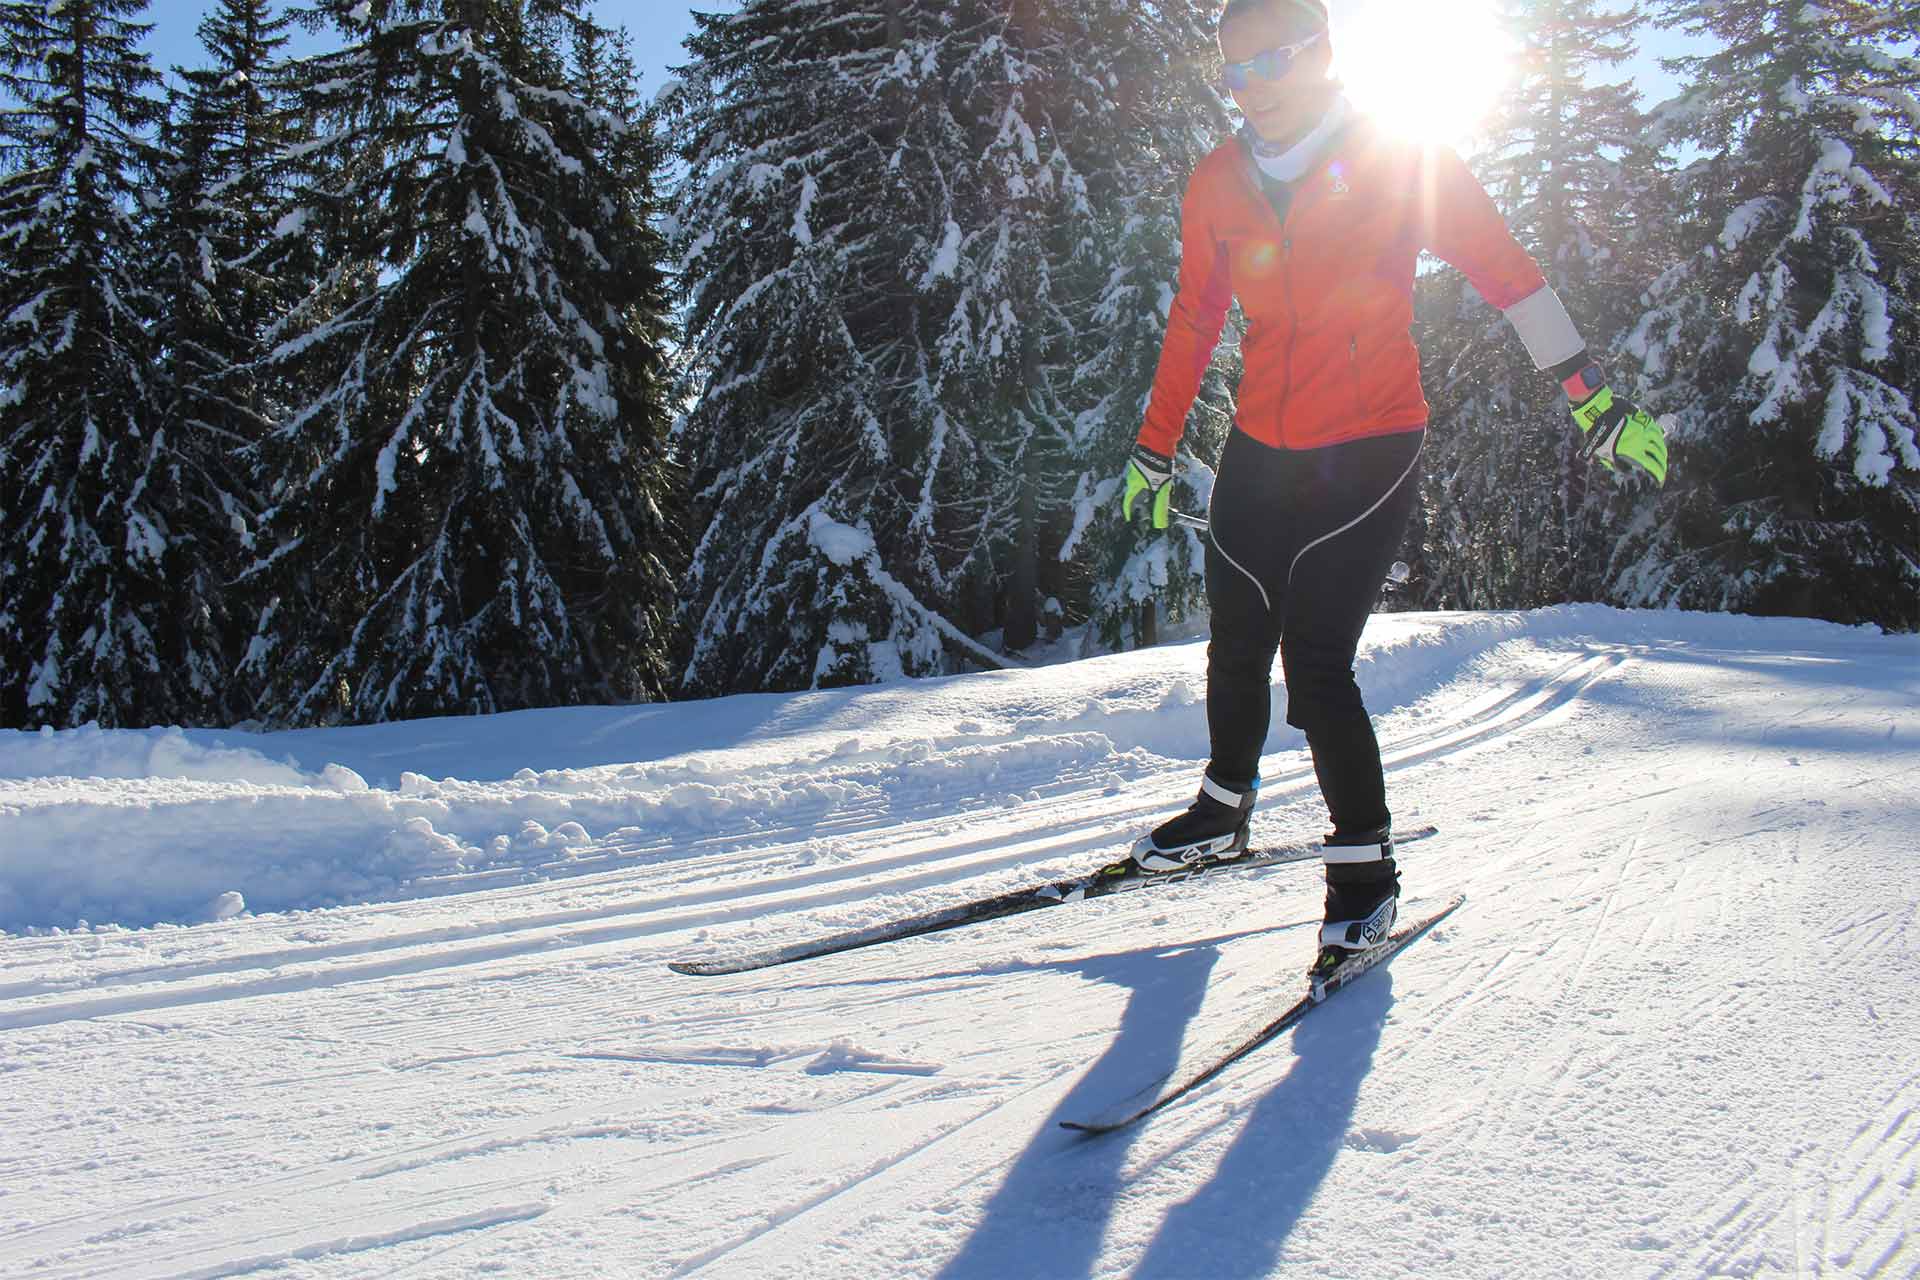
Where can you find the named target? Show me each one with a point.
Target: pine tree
(904, 227)
(1149, 119)
(471, 509)
(94, 621)
(1014, 206)
(845, 488)
(1788, 345)
(1515, 517)
(223, 278)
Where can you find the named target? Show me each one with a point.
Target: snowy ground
(393, 1001)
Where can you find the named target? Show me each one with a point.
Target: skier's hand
(1151, 474)
(1617, 429)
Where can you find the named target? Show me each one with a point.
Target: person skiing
(1314, 219)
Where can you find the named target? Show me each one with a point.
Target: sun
(1425, 69)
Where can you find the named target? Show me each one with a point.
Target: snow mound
(92, 752)
(136, 828)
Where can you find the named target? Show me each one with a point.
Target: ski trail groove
(646, 917)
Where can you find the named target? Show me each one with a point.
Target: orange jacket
(1328, 294)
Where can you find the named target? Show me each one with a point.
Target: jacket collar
(1290, 164)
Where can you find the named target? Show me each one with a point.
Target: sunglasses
(1270, 64)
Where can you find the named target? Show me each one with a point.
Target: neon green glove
(1148, 473)
(1617, 429)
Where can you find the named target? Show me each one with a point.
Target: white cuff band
(1543, 324)
(1346, 853)
(1231, 799)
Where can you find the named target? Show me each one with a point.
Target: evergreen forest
(453, 369)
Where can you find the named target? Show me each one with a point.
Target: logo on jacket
(1338, 186)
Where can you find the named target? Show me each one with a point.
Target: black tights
(1300, 544)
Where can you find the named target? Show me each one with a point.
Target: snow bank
(145, 753)
(136, 828)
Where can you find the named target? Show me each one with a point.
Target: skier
(1313, 219)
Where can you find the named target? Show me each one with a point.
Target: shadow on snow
(1051, 1213)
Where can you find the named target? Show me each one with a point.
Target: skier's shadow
(1238, 1221)
(1049, 1216)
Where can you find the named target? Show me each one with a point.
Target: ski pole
(1396, 576)
(1191, 521)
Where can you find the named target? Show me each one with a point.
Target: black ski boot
(1363, 896)
(1215, 827)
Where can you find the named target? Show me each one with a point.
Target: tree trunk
(1023, 582)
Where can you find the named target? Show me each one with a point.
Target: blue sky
(658, 26)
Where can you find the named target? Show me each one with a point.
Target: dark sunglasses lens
(1272, 64)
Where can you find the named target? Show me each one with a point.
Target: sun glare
(1427, 69)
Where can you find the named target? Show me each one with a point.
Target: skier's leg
(1247, 555)
(1244, 573)
(1359, 501)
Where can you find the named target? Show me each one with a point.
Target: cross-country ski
(1109, 879)
(1209, 1058)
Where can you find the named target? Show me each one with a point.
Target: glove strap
(1156, 467)
(1584, 383)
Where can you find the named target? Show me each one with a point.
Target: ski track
(867, 875)
(1621, 1014)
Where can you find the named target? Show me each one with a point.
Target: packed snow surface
(394, 1000)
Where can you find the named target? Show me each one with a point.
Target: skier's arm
(1198, 314)
(1462, 226)
(1459, 224)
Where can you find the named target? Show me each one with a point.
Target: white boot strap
(1231, 799)
(1347, 853)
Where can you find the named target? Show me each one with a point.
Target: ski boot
(1212, 829)
(1363, 897)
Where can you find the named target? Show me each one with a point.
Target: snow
(809, 189)
(392, 1000)
(946, 259)
(842, 544)
(1744, 219)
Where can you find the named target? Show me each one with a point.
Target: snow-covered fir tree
(222, 279)
(633, 154)
(1512, 516)
(819, 230)
(1145, 116)
(472, 509)
(1013, 206)
(896, 247)
(1788, 345)
(99, 616)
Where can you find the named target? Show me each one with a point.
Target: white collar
(1292, 164)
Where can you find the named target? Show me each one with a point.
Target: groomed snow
(393, 1001)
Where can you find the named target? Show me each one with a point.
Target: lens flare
(1426, 69)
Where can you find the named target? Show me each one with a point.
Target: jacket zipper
(1293, 325)
(1251, 180)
